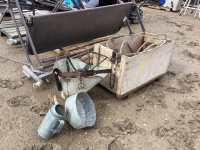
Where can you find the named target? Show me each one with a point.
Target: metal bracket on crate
(113, 58)
(119, 56)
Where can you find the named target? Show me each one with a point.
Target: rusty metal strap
(119, 55)
(55, 73)
(115, 56)
(83, 74)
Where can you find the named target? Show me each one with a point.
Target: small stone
(183, 115)
(125, 133)
(169, 133)
(42, 114)
(140, 104)
(27, 119)
(0, 119)
(166, 122)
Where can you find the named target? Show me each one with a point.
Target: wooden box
(137, 69)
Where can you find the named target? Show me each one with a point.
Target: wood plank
(86, 56)
(84, 43)
(11, 31)
(11, 21)
(10, 25)
(13, 34)
(96, 57)
(121, 74)
(156, 6)
(59, 51)
(77, 47)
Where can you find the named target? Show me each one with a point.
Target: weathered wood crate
(156, 6)
(137, 69)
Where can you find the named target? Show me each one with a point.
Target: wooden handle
(55, 99)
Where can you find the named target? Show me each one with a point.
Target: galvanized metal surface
(81, 112)
(74, 84)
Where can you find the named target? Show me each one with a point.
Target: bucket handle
(61, 123)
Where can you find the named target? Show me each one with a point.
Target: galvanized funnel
(75, 84)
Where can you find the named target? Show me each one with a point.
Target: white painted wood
(146, 66)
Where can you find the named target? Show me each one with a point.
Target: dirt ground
(164, 115)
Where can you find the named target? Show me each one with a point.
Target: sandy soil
(164, 115)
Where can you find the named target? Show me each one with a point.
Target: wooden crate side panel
(107, 64)
(133, 90)
(146, 66)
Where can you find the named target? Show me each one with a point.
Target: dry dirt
(164, 115)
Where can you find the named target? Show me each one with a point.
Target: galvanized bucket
(80, 109)
(75, 84)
